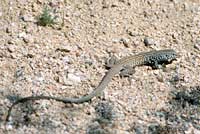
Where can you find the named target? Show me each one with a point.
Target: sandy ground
(68, 59)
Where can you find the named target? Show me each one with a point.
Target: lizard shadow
(24, 111)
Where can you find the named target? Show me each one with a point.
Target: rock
(27, 38)
(8, 30)
(71, 79)
(35, 7)
(38, 79)
(28, 18)
(54, 3)
(74, 78)
(125, 41)
(19, 72)
(11, 48)
(88, 61)
(197, 44)
(64, 49)
(149, 41)
(115, 40)
(22, 34)
(9, 126)
(66, 59)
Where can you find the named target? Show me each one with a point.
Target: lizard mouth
(171, 60)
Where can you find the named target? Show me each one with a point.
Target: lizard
(154, 58)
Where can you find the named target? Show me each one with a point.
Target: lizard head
(167, 56)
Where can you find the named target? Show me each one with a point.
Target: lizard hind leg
(111, 62)
(127, 71)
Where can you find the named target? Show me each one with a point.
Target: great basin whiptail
(152, 58)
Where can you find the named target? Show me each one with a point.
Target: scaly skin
(152, 58)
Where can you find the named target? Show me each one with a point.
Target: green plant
(46, 19)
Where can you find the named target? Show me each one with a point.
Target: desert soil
(67, 59)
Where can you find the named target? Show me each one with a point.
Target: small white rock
(71, 70)
(11, 48)
(9, 127)
(125, 41)
(28, 18)
(149, 41)
(65, 48)
(28, 39)
(115, 40)
(22, 35)
(197, 44)
(74, 78)
(66, 59)
(66, 67)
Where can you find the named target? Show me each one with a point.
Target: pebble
(11, 48)
(8, 30)
(11, 41)
(9, 127)
(19, 72)
(28, 18)
(65, 48)
(186, 7)
(74, 77)
(197, 44)
(139, 130)
(121, 132)
(149, 41)
(88, 61)
(54, 3)
(187, 78)
(27, 38)
(125, 41)
(22, 34)
(115, 40)
(71, 79)
(35, 7)
(66, 59)
(39, 78)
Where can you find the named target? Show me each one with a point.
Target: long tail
(106, 79)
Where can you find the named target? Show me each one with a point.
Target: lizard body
(152, 58)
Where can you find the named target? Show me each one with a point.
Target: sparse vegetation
(46, 19)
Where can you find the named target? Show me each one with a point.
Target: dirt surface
(68, 59)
